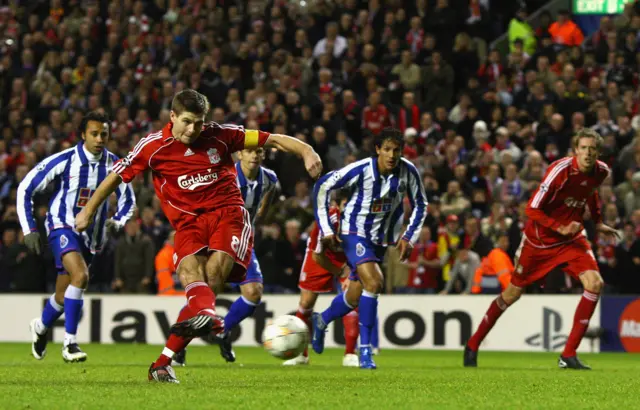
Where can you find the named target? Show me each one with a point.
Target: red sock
(305, 316)
(201, 299)
(351, 331)
(175, 343)
(584, 311)
(497, 307)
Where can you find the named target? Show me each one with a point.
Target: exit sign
(599, 6)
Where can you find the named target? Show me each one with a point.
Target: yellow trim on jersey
(251, 139)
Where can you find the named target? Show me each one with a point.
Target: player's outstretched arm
(312, 161)
(106, 188)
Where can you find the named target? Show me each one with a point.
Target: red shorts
(315, 278)
(533, 264)
(225, 230)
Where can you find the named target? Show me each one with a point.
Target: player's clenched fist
(83, 220)
(571, 229)
(313, 164)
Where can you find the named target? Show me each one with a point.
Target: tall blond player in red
(319, 271)
(554, 236)
(195, 178)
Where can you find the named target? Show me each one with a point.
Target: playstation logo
(550, 338)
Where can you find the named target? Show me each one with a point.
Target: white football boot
(350, 360)
(296, 361)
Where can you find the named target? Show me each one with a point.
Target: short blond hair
(587, 133)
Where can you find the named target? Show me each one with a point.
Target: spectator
(332, 42)
(375, 116)
(409, 113)
(565, 32)
(134, 260)
(289, 256)
(627, 263)
(424, 266)
(449, 241)
(437, 83)
(632, 198)
(494, 274)
(166, 278)
(339, 151)
(473, 238)
(408, 72)
(496, 223)
(519, 29)
(453, 201)
(462, 274)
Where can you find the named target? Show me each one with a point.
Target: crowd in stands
(481, 126)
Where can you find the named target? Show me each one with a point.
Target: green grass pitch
(115, 377)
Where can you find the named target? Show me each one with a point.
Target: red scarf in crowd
(415, 118)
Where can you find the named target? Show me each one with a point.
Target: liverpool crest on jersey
(214, 157)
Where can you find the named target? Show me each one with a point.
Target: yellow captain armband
(251, 139)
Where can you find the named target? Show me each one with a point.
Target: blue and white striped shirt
(253, 192)
(76, 174)
(375, 210)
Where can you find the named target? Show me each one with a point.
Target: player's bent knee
(511, 294)
(373, 286)
(190, 270)
(592, 281)
(252, 292)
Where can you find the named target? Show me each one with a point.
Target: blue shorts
(63, 241)
(360, 250)
(254, 274)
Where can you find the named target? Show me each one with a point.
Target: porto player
(372, 220)
(318, 273)
(195, 179)
(554, 236)
(258, 185)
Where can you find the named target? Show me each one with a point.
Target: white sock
(39, 327)
(69, 339)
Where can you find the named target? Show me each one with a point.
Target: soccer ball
(286, 337)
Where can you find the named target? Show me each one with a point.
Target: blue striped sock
(338, 308)
(73, 310)
(51, 312)
(368, 310)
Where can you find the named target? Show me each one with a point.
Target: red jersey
(376, 119)
(561, 199)
(314, 243)
(424, 277)
(194, 179)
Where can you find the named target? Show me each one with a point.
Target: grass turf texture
(115, 377)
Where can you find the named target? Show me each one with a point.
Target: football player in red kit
(319, 271)
(554, 237)
(195, 178)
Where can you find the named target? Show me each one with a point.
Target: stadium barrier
(620, 318)
(536, 323)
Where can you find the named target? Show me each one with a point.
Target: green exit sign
(599, 6)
